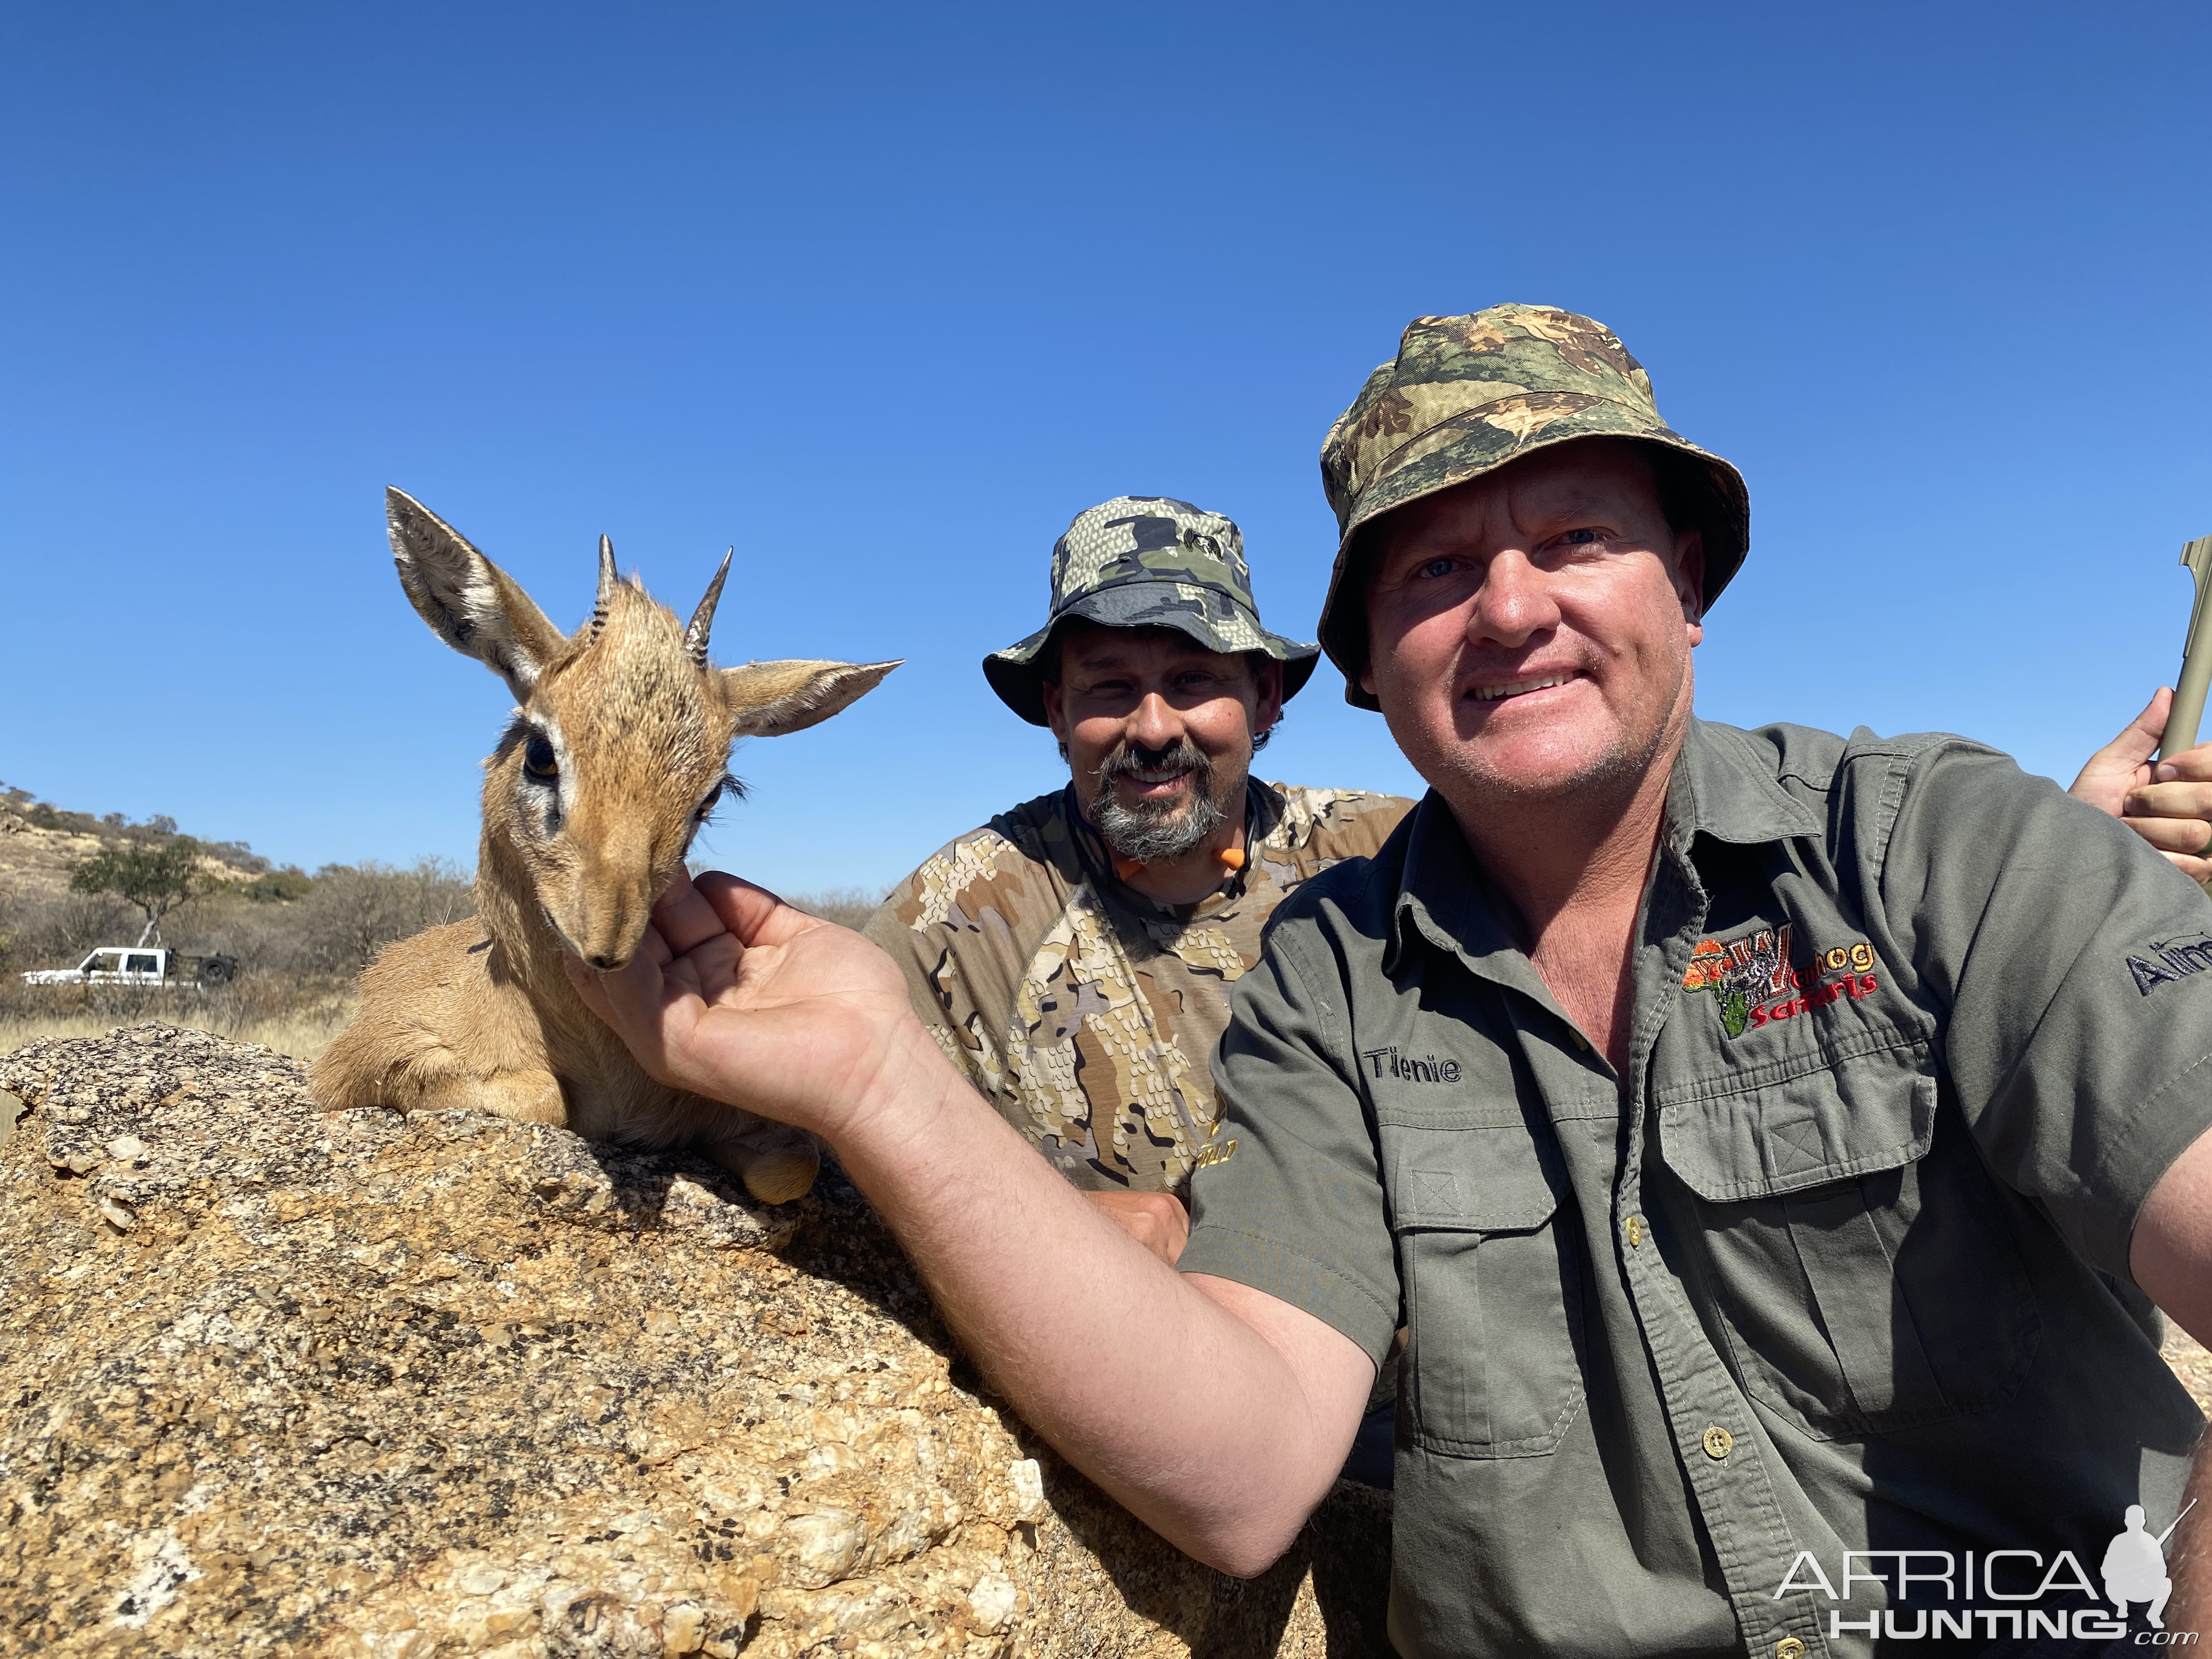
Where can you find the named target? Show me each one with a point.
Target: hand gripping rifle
(2196, 657)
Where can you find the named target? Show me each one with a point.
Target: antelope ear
(768, 699)
(469, 602)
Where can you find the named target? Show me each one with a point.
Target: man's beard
(1156, 831)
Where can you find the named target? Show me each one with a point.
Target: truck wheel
(214, 973)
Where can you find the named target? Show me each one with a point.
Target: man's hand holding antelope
(729, 981)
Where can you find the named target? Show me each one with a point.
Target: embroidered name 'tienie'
(1427, 1068)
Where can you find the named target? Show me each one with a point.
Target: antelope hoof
(781, 1177)
(773, 1177)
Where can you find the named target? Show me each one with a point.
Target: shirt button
(1789, 1648)
(1633, 1227)
(1719, 1442)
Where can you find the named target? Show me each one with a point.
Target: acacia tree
(157, 879)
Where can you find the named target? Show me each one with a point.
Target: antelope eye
(537, 760)
(707, 805)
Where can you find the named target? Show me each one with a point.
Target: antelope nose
(605, 965)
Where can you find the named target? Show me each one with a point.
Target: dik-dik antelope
(617, 751)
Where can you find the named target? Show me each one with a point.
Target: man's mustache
(1155, 827)
(1128, 758)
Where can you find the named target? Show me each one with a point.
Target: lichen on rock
(278, 1381)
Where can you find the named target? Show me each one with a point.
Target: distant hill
(40, 843)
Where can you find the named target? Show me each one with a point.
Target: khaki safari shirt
(1084, 1010)
(1841, 1263)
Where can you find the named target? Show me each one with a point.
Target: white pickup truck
(150, 966)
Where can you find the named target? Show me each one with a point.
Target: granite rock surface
(350, 1385)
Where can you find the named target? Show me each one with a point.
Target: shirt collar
(1724, 785)
(1444, 898)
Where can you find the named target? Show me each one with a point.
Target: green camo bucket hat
(1464, 396)
(1148, 562)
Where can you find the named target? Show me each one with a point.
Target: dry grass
(296, 958)
(288, 998)
(302, 1030)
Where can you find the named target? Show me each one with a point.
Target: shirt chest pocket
(1492, 1278)
(1860, 1260)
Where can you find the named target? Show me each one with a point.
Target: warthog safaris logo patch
(1752, 977)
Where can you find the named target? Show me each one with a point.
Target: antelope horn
(702, 619)
(607, 586)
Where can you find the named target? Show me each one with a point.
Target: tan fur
(480, 1014)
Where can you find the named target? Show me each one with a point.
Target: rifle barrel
(2168, 1533)
(2196, 657)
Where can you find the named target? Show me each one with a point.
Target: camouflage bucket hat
(1464, 396)
(1147, 561)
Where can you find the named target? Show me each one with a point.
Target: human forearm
(2189, 1561)
(2169, 1256)
(2170, 1251)
(1217, 1414)
(1072, 1320)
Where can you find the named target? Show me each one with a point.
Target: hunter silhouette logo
(1754, 981)
(2135, 1566)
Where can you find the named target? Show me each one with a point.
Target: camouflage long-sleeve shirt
(1085, 1012)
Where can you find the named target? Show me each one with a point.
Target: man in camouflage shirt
(1074, 956)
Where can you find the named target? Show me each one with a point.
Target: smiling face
(1529, 632)
(1158, 732)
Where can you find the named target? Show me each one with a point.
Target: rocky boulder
(278, 1380)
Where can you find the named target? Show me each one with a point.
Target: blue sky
(883, 295)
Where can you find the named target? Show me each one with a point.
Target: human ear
(1269, 708)
(1689, 572)
(1054, 708)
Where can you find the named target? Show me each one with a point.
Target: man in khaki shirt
(1786, 1044)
